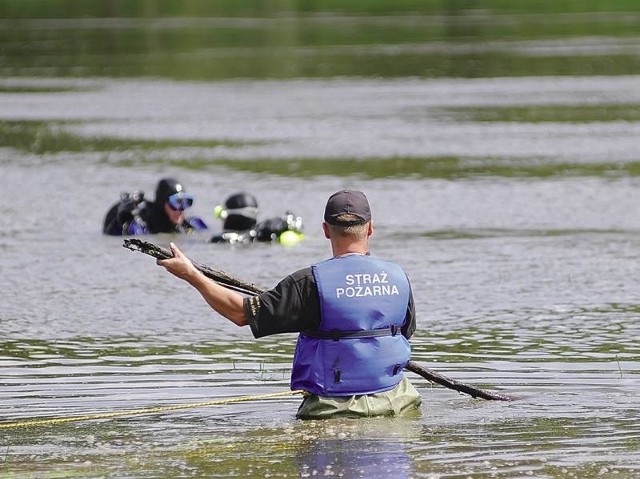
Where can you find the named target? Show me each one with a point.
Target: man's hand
(179, 265)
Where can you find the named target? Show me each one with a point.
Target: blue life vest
(358, 348)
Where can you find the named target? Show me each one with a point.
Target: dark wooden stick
(438, 378)
(235, 284)
(136, 244)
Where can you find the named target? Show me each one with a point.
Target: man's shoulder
(303, 274)
(301, 280)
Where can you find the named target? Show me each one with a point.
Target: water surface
(510, 201)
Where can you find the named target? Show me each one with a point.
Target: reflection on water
(575, 372)
(281, 40)
(374, 129)
(511, 202)
(519, 286)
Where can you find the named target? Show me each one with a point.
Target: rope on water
(144, 411)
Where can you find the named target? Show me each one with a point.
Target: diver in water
(135, 215)
(239, 215)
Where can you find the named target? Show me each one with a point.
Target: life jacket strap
(358, 334)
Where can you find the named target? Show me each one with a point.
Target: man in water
(354, 314)
(240, 225)
(134, 215)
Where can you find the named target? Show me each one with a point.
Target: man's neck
(350, 248)
(347, 254)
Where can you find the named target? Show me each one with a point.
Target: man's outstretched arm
(224, 301)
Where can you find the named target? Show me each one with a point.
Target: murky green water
(498, 147)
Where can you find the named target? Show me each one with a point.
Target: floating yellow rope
(139, 412)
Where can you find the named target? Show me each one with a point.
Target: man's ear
(370, 229)
(325, 228)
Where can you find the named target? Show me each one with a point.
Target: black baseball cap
(347, 202)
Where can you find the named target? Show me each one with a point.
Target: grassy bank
(258, 8)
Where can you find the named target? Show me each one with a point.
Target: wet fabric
(140, 218)
(402, 400)
(239, 229)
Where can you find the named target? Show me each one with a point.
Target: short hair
(358, 231)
